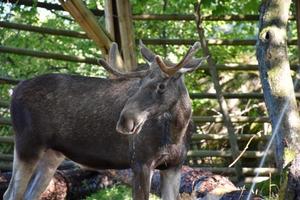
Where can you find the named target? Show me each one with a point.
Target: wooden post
(111, 24)
(220, 97)
(127, 36)
(89, 23)
(109, 20)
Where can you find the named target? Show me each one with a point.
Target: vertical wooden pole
(127, 35)
(109, 20)
(220, 97)
(110, 25)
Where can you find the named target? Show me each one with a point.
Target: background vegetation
(23, 67)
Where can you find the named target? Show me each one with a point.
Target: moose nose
(125, 125)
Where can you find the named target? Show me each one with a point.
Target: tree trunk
(278, 86)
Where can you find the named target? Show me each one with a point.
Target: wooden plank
(227, 95)
(41, 54)
(234, 119)
(240, 67)
(251, 179)
(4, 104)
(7, 139)
(7, 80)
(248, 171)
(127, 34)
(191, 17)
(224, 154)
(251, 95)
(240, 137)
(5, 121)
(5, 166)
(234, 148)
(88, 22)
(109, 18)
(6, 157)
(48, 6)
(43, 30)
(195, 137)
(159, 41)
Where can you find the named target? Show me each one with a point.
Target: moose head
(160, 87)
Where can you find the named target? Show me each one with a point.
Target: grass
(118, 192)
(268, 189)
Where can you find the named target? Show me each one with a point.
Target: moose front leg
(170, 183)
(141, 182)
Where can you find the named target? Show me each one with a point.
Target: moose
(139, 120)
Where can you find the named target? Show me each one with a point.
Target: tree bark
(278, 87)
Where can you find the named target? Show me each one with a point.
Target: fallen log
(75, 183)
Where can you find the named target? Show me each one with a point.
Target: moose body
(140, 122)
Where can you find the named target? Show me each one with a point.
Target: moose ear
(192, 65)
(147, 53)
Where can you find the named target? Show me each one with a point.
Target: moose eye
(161, 87)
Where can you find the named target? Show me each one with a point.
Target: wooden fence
(195, 154)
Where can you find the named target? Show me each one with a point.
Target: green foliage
(23, 67)
(119, 192)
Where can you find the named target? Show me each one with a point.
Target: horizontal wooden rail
(234, 119)
(43, 30)
(6, 157)
(7, 139)
(241, 67)
(48, 6)
(6, 80)
(4, 104)
(58, 56)
(48, 55)
(195, 137)
(248, 171)
(248, 42)
(252, 95)
(224, 154)
(155, 41)
(251, 179)
(5, 121)
(227, 95)
(196, 119)
(241, 137)
(97, 12)
(191, 17)
(5, 166)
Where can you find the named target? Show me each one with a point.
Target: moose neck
(181, 115)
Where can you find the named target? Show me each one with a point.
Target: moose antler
(172, 70)
(112, 62)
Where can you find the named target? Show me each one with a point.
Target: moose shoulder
(139, 120)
